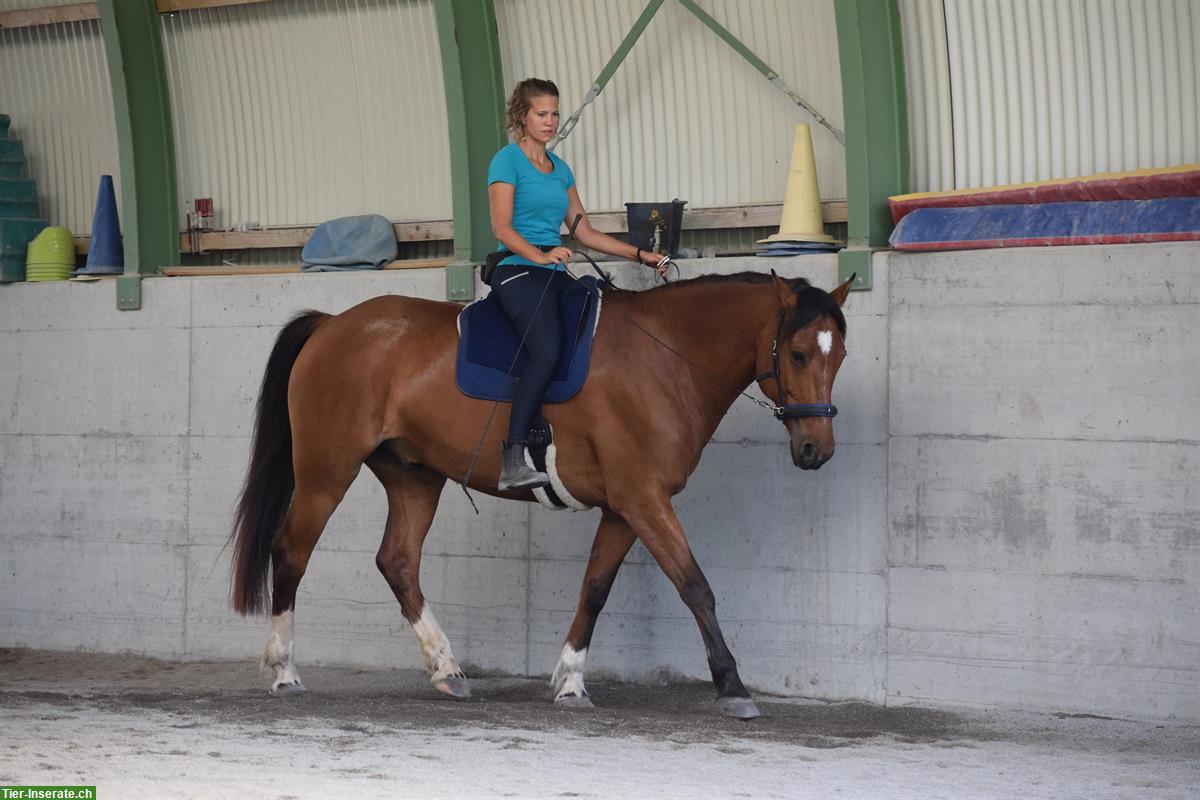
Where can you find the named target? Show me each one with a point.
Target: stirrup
(515, 474)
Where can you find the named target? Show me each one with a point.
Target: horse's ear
(839, 294)
(786, 296)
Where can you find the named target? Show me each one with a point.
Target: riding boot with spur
(515, 474)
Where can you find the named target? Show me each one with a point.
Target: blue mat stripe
(1099, 222)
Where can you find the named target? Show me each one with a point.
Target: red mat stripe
(1135, 187)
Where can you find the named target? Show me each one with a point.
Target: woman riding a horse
(375, 385)
(531, 193)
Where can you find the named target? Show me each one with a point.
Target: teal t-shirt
(539, 198)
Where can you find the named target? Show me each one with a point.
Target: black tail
(269, 478)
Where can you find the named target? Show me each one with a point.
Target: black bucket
(651, 223)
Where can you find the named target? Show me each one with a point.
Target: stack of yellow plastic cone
(801, 219)
(51, 256)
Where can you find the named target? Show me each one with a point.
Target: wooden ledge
(758, 215)
(290, 269)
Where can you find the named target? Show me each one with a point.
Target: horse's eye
(798, 358)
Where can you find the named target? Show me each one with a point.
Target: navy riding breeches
(519, 289)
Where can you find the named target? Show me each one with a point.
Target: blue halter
(791, 410)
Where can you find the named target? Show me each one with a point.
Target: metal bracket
(129, 292)
(460, 282)
(855, 261)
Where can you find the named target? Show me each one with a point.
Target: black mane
(812, 303)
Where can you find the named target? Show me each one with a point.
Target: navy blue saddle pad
(487, 342)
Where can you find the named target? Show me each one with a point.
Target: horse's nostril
(809, 451)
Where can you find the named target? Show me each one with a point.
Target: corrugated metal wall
(294, 112)
(297, 112)
(685, 116)
(54, 84)
(1042, 89)
(926, 65)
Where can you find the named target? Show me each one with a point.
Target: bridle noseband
(790, 410)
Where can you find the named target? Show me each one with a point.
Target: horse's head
(808, 341)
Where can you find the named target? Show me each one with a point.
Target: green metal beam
(610, 69)
(145, 141)
(475, 111)
(875, 103)
(760, 65)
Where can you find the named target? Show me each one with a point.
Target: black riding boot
(515, 474)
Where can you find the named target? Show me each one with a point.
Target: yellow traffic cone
(801, 218)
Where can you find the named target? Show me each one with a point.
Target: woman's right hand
(559, 255)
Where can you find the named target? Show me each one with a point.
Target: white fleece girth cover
(556, 483)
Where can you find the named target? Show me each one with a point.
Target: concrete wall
(1044, 478)
(1011, 517)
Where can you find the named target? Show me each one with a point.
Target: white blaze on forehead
(825, 341)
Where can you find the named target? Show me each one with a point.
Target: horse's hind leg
(613, 539)
(318, 492)
(413, 494)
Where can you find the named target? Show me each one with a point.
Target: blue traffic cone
(105, 254)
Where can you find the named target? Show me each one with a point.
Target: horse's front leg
(654, 521)
(613, 539)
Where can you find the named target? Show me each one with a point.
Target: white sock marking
(825, 341)
(568, 673)
(278, 653)
(435, 647)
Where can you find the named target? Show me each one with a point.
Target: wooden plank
(169, 6)
(835, 211)
(765, 215)
(419, 263)
(749, 216)
(413, 231)
(225, 269)
(284, 269)
(425, 231)
(51, 15)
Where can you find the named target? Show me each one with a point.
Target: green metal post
(876, 108)
(145, 142)
(475, 110)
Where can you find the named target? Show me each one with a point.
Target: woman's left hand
(659, 263)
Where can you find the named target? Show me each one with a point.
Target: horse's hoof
(453, 685)
(738, 707)
(573, 701)
(286, 687)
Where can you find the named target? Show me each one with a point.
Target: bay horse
(375, 385)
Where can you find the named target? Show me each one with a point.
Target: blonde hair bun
(520, 101)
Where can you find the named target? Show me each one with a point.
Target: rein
(782, 413)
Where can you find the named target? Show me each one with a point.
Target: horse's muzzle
(806, 455)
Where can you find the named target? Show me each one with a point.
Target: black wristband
(638, 257)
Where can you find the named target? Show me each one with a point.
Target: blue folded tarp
(366, 242)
